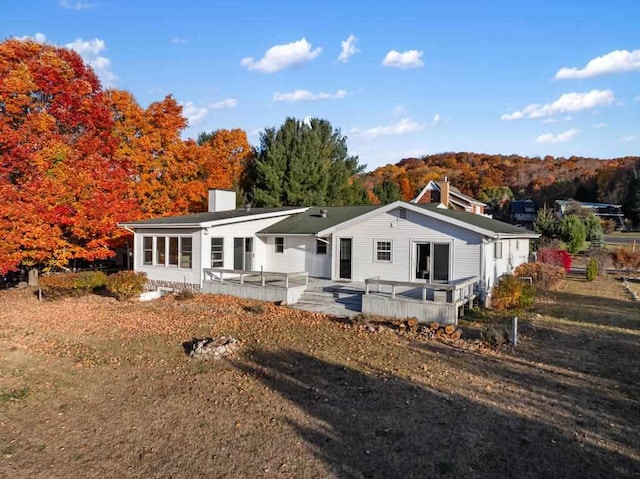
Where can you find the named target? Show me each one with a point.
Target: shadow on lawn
(368, 425)
(592, 309)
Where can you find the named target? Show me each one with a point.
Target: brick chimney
(444, 191)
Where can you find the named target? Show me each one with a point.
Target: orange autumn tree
(170, 176)
(60, 187)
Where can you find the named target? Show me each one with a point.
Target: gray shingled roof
(198, 218)
(478, 221)
(311, 221)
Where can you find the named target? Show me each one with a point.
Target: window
(280, 245)
(217, 252)
(498, 250)
(321, 246)
(173, 251)
(185, 251)
(161, 250)
(383, 251)
(147, 247)
(402, 214)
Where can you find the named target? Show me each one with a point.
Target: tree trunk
(33, 277)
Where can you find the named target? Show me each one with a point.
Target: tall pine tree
(304, 163)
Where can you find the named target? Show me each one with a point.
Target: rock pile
(211, 348)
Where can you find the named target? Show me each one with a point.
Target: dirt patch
(112, 394)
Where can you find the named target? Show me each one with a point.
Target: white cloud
(404, 126)
(599, 125)
(408, 59)
(255, 132)
(566, 103)
(629, 139)
(90, 52)
(223, 104)
(38, 37)
(305, 95)
(613, 62)
(78, 5)
(559, 138)
(399, 110)
(436, 119)
(194, 113)
(179, 40)
(280, 57)
(546, 120)
(348, 49)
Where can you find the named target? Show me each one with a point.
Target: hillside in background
(482, 176)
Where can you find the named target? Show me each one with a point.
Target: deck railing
(454, 292)
(218, 274)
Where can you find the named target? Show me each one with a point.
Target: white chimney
(221, 200)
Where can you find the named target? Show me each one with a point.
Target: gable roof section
(210, 219)
(311, 221)
(480, 222)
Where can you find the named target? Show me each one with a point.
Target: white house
(401, 242)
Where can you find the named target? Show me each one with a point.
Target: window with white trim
(321, 246)
(217, 252)
(147, 247)
(383, 251)
(173, 251)
(170, 251)
(279, 244)
(161, 251)
(186, 251)
(497, 251)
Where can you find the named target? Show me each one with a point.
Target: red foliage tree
(60, 186)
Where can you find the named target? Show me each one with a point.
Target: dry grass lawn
(91, 387)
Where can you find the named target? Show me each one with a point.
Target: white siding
(464, 246)
(514, 253)
(167, 273)
(246, 229)
(299, 255)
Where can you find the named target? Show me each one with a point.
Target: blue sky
(402, 78)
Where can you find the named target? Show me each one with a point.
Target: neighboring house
(401, 241)
(441, 192)
(523, 212)
(603, 211)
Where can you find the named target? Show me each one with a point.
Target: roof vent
(323, 213)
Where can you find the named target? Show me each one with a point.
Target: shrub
(557, 257)
(126, 284)
(625, 258)
(543, 276)
(572, 232)
(510, 293)
(61, 285)
(592, 270)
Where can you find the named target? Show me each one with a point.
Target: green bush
(573, 233)
(63, 285)
(126, 284)
(592, 270)
(512, 294)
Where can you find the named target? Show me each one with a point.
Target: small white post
(514, 331)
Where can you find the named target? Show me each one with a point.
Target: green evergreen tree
(387, 192)
(631, 206)
(572, 232)
(546, 223)
(304, 163)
